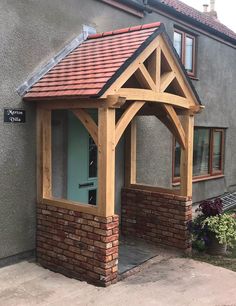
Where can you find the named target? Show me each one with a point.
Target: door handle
(84, 185)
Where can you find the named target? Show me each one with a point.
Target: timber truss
(153, 84)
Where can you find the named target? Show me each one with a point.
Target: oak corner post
(131, 153)
(106, 161)
(44, 155)
(186, 164)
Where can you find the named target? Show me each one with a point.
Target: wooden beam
(46, 167)
(130, 154)
(154, 67)
(73, 104)
(115, 101)
(144, 78)
(137, 94)
(67, 204)
(106, 161)
(155, 189)
(132, 68)
(126, 118)
(178, 72)
(88, 123)
(186, 165)
(39, 152)
(178, 129)
(166, 79)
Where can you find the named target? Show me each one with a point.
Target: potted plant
(212, 230)
(221, 232)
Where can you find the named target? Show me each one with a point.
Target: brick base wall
(156, 217)
(78, 245)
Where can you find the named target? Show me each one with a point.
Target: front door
(82, 163)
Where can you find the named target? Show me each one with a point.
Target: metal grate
(229, 200)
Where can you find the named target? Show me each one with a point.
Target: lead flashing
(24, 88)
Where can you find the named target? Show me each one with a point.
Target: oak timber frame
(159, 88)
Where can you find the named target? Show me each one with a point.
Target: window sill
(201, 179)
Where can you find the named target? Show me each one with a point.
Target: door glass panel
(178, 43)
(201, 150)
(217, 139)
(189, 54)
(92, 196)
(92, 158)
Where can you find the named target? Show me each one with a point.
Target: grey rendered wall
(216, 72)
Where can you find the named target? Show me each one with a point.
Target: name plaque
(13, 115)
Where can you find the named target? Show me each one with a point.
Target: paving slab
(133, 252)
(162, 281)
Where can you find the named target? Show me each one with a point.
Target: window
(208, 153)
(185, 45)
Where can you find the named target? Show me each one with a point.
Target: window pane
(178, 43)
(92, 196)
(201, 151)
(217, 140)
(177, 160)
(189, 54)
(92, 158)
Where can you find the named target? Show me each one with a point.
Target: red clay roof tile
(87, 69)
(201, 17)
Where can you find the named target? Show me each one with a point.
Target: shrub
(211, 207)
(223, 226)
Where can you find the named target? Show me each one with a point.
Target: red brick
(103, 245)
(103, 258)
(87, 228)
(103, 219)
(87, 241)
(62, 210)
(69, 218)
(46, 212)
(109, 238)
(110, 225)
(87, 216)
(81, 257)
(94, 236)
(94, 223)
(102, 232)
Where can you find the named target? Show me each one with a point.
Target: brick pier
(78, 245)
(156, 217)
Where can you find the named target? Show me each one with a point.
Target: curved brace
(126, 118)
(166, 120)
(88, 123)
(177, 126)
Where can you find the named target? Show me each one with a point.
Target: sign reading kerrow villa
(12, 115)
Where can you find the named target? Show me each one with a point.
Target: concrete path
(162, 281)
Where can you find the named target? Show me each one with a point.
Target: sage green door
(82, 163)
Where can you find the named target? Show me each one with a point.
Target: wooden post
(106, 161)
(130, 154)
(186, 164)
(46, 155)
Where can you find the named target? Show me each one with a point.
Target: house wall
(31, 33)
(216, 75)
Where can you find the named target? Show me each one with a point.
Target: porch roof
(90, 69)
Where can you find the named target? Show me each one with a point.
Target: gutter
(159, 5)
(138, 6)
